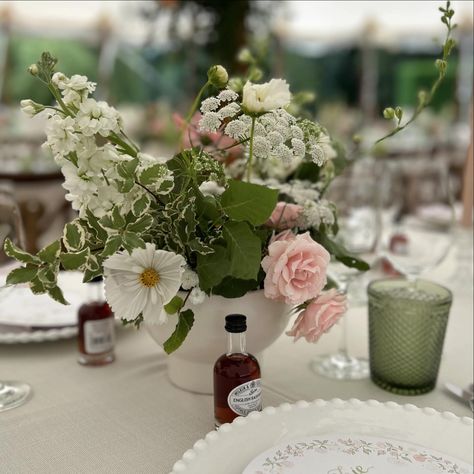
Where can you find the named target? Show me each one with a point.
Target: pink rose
(285, 216)
(285, 235)
(319, 316)
(295, 269)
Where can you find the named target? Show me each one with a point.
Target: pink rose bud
(319, 316)
(285, 216)
(295, 269)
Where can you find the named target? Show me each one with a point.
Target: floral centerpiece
(163, 232)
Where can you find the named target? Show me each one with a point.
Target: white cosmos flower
(259, 98)
(142, 282)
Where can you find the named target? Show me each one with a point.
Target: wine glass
(12, 393)
(355, 195)
(419, 235)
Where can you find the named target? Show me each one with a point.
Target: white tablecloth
(128, 418)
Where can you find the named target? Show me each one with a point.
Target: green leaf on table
(339, 252)
(56, 293)
(244, 249)
(243, 201)
(50, 253)
(17, 253)
(21, 275)
(212, 268)
(185, 323)
(74, 236)
(174, 305)
(74, 260)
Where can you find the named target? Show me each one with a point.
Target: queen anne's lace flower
(275, 138)
(227, 95)
(299, 148)
(236, 129)
(296, 132)
(210, 122)
(261, 147)
(229, 110)
(210, 105)
(283, 153)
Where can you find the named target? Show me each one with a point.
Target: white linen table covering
(128, 418)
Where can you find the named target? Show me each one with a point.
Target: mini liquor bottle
(96, 328)
(237, 383)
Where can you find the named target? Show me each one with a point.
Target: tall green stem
(192, 110)
(249, 163)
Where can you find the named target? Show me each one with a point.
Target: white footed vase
(191, 366)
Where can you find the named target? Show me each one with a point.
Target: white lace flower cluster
(316, 213)
(318, 142)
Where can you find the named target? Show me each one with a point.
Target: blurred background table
(127, 417)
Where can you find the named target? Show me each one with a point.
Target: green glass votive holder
(407, 325)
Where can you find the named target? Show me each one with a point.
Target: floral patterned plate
(353, 454)
(358, 437)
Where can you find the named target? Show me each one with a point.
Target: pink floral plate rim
(202, 446)
(286, 458)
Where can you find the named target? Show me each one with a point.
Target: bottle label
(246, 397)
(99, 336)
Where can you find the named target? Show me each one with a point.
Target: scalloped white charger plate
(235, 445)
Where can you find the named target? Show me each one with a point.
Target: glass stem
(342, 350)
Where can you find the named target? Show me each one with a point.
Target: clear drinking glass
(419, 235)
(12, 394)
(355, 195)
(407, 327)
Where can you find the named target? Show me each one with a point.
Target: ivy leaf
(94, 224)
(185, 323)
(152, 174)
(174, 305)
(243, 201)
(140, 205)
(125, 186)
(339, 252)
(47, 276)
(15, 252)
(126, 169)
(50, 253)
(37, 286)
(132, 241)
(244, 250)
(112, 245)
(56, 293)
(74, 260)
(74, 236)
(212, 268)
(141, 224)
(21, 275)
(92, 269)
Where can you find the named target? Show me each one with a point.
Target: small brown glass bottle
(96, 328)
(237, 383)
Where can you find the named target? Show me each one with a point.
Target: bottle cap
(236, 323)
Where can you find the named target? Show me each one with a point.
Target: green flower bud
(30, 107)
(236, 84)
(33, 70)
(217, 76)
(357, 138)
(389, 113)
(398, 113)
(422, 96)
(245, 56)
(255, 75)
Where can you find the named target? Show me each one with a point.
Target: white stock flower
(80, 189)
(142, 282)
(211, 188)
(97, 117)
(30, 107)
(61, 136)
(189, 279)
(259, 98)
(197, 296)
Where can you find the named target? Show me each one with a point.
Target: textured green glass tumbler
(407, 325)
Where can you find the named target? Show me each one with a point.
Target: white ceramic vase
(191, 366)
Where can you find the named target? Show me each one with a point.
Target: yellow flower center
(149, 277)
